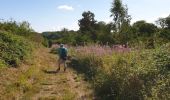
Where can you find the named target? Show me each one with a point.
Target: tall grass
(126, 75)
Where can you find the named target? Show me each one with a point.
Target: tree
(168, 22)
(104, 33)
(119, 14)
(164, 22)
(88, 24)
(161, 22)
(102, 27)
(165, 25)
(165, 34)
(143, 28)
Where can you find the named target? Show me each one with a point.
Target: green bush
(136, 75)
(22, 29)
(13, 48)
(87, 65)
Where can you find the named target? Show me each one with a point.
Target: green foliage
(164, 23)
(64, 36)
(2, 64)
(117, 32)
(144, 29)
(88, 25)
(141, 74)
(22, 29)
(120, 14)
(165, 34)
(13, 49)
(87, 65)
(167, 22)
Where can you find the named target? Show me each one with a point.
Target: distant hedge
(13, 49)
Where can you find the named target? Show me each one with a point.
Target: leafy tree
(168, 22)
(119, 14)
(104, 32)
(161, 22)
(88, 24)
(164, 22)
(143, 28)
(165, 34)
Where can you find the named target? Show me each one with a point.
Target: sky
(53, 15)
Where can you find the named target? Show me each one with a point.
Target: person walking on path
(62, 52)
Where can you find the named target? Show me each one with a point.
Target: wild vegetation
(25, 68)
(13, 49)
(17, 41)
(119, 31)
(123, 73)
(121, 60)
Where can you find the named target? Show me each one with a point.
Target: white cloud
(66, 7)
(164, 15)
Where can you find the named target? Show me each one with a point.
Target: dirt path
(37, 80)
(61, 85)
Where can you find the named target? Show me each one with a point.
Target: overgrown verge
(13, 49)
(138, 75)
(23, 82)
(19, 47)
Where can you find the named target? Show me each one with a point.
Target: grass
(20, 81)
(30, 81)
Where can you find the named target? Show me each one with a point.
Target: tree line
(119, 31)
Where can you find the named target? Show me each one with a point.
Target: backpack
(63, 52)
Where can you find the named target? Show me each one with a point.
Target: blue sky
(52, 15)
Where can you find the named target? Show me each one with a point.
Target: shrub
(22, 29)
(87, 65)
(139, 74)
(13, 49)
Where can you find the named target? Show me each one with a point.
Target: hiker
(62, 52)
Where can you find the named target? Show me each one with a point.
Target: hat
(61, 45)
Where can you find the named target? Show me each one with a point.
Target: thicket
(22, 29)
(16, 42)
(13, 49)
(130, 75)
(141, 72)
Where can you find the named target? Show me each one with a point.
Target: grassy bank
(23, 82)
(18, 69)
(14, 49)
